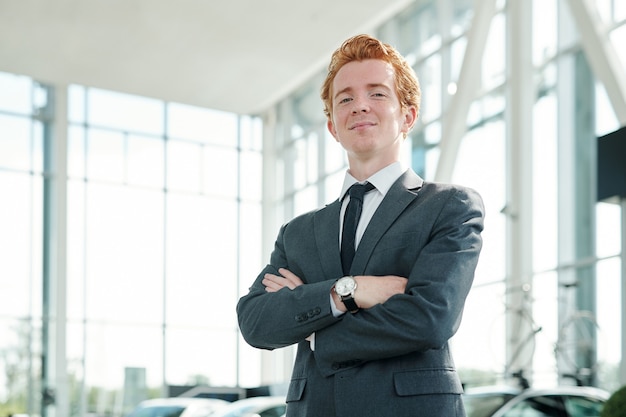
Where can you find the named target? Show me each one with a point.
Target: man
(372, 333)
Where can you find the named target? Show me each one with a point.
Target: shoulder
(309, 217)
(450, 190)
(452, 197)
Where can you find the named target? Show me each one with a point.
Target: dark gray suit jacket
(392, 359)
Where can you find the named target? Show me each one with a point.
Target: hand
(286, 278)
(372, 290)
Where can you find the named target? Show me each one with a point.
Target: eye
(344, 100)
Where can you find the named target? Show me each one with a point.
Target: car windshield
(484, 405)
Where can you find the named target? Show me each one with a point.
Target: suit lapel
(326, 230)
(399, 196)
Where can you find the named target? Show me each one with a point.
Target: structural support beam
(55, 396)
(519, 204)
(622, 366)
(601, 54)
(455, 117)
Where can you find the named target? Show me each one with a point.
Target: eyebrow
(369, 86)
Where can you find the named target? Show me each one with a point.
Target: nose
(359, 105)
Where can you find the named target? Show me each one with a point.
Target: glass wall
(171, 211)
(21, 237)
(163, 214)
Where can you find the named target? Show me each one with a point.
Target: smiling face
(367, 118)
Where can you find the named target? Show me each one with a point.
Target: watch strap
(350, 304)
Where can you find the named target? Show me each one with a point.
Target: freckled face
(367, 118)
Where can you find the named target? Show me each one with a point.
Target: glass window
(197, 352)
(582, 406)
(251, 129)
(494, 56)
(76, 104)
(202, 125)
(251, 180)
(462, 13)
(429, 74)
(15, 142)
(123, 112)
(619, 10)
(334, 155)
(148, 218)
(215, 162)
(606, 121)
(76, 151)
(124, 241)
(20, 234)
(184, 166)
(618, 39)
(16, 94)
(544, 406)
(481, 165)
(484, 405)
(201, 234)
(544, 30)
(457, 52)
(420, 27)
(608, 303)
(106, 152)
(146, 156)
(545, 183)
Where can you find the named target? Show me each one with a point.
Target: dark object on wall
(612, 165)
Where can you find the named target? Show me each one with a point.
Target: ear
(410, 117)
(331, 128)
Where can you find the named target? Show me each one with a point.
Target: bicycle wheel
(577, 343)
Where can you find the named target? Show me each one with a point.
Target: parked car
(178, 407)
(565, 401)
(266, 406)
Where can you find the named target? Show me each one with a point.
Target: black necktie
(350, 222)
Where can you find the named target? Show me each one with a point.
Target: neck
(362, 170)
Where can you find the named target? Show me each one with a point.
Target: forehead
(363, 73)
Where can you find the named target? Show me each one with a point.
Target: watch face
(345, 286)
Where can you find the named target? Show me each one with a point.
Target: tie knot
(358, 190)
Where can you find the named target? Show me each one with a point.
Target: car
(563, 401)
(178, 407)
(264, 406)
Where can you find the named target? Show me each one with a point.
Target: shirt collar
(382, 180)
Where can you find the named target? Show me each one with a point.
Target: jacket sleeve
(428, 314)
(274, 320)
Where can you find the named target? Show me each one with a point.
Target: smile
(360, 125)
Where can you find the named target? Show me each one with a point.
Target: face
(367, 118)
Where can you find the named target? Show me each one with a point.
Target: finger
(291, 277)
(271, 286)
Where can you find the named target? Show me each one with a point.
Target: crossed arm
(371, 290)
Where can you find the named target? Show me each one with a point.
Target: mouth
(360, 125)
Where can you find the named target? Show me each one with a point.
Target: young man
(372, 331)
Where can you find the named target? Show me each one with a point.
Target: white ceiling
(236, 55)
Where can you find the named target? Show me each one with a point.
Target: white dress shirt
(382, 180)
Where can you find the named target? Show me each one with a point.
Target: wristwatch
(345, 288)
